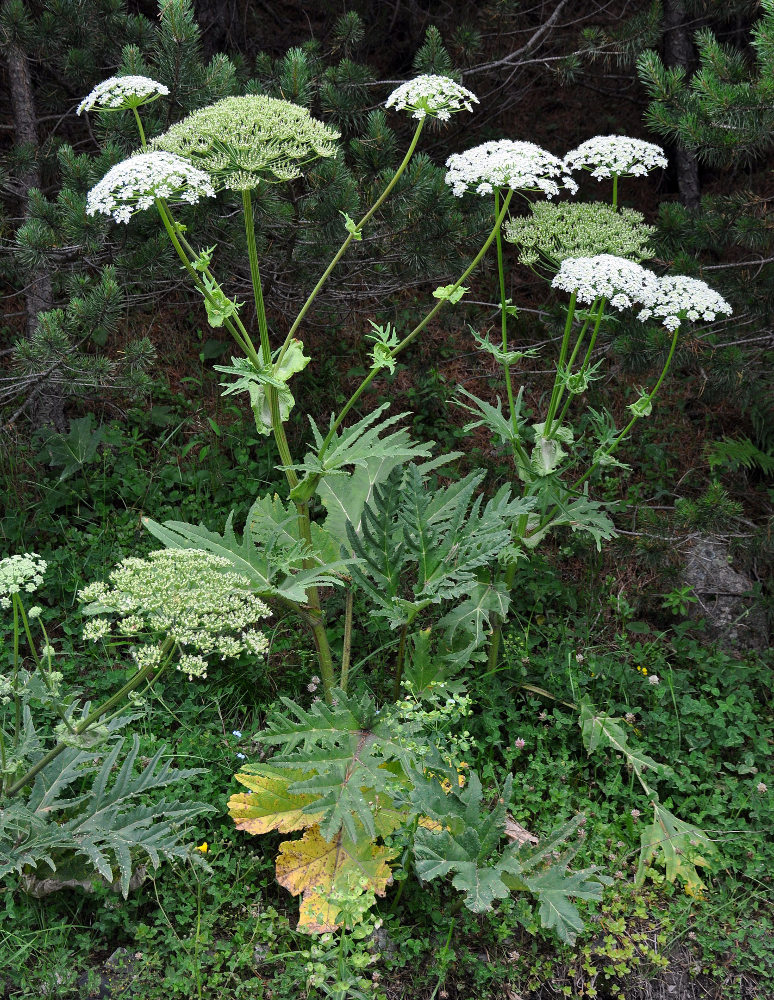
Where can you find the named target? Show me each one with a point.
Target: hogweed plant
(72, 807)
(373, 787)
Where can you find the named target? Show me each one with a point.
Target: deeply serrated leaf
(600, 729)
(681, 845)
(312, 867)
(269, 805)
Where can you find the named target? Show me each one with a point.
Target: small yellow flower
(203, 847)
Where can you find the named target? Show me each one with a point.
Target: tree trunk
(47, 408)
(679, 51)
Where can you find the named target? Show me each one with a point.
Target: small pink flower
(654, 679)
(519, 743)
(762, 787)
(629, 717)
(635, 814)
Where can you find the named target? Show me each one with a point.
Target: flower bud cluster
(680, 296)
(579, 229)
(188, 595)
(20, 573)
(134, 184)
(622, 282)
(521, 166)
(431, 96)
(615, 156)
(122, 92)
(243, 141)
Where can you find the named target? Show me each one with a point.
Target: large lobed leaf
(105, 829)
(313, 866)
(269, 553)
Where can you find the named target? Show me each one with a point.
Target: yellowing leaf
(682, 847)
(317, 915)
(312, 866)
(269, 805)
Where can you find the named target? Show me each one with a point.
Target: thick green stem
(16, 699)
(263, 328)
(243, 339)
(587, 357)
(494, 639)
(560, 365)
(239, 333)
(615, 191)
(417, 329)
(518, 452)
(343, 248)
(346, 652)
(140, 129)
(620, 436)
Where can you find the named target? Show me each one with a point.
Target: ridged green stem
(560, 365)
(417, 329)
(343, 248)
(621, 435)
(263, 329)
(518, 451)
(587, 357)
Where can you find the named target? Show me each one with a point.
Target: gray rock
(725, 601)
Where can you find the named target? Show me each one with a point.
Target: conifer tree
(725, 115)
(419, 236)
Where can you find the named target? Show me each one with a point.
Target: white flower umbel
(134, 184)
(622, 282)
(431, 96)
(20, 573)
(678, 298)
(521, 166)
(188, 595)
(120, 93)
(615, 156)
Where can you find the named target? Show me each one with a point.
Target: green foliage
(77, 819)
(466, 841)
(441, 541)
(271, 553)
(732, 454)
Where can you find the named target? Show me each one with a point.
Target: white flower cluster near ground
(431, 96)
(134, 184)
(189, 595)
(680, 296)
(624, 283)
(521, 166)
(121, 92)
(20, 573)
(615, 155)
